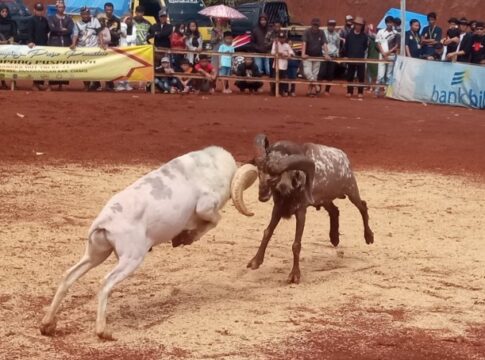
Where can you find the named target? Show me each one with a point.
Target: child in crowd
(128, 35)
(167, 84)
(226, 60)
(284, 51)
(250, 70)
(186, 82)
(104, 32)
(205, 68)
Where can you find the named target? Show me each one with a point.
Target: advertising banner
(19, 62)
(435, 82)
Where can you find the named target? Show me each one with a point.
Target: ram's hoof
(254, 263)
(369, 238)
(48, 329)
(105, 335)
(294, 277)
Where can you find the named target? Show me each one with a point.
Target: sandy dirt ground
(417, 293)
(424, 273)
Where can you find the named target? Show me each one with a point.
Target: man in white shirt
(387, 47)
(332, 50)
(86, 34)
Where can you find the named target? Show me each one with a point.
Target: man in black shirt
(39, 34)
(161, 31)
(114, 26)
(477, 52)
(356, 45)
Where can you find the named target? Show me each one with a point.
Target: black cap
(39, 6)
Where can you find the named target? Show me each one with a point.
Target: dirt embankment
(373, 10)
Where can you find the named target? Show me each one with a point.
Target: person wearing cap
(477, 52)
(431, 35)
(86, 34)
(61, 27)
(356, 45)
(314, 45)
(284, 51)
(38, 35)
(462, 53)
(160, 32)
(327, 68)
(142, 26)
(413, 39)
(167, 84)
(349, 23)
(260, 45)
(387, 47)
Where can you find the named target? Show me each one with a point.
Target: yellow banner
(59, 63)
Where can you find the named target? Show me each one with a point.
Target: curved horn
(261, 143)
(291, 162)
(245, 176)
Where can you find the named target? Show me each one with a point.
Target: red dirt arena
(417, 293)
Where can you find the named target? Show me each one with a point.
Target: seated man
(205, 68)
(248, 69)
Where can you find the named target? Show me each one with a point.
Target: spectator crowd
(315, 60)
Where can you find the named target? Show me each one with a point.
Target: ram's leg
(333, 213)
(268, 233)
(300, 226)
(126, 266)
(97, 250)
(131, 247)
(354, 197)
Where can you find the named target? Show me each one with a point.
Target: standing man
(86, 35)
(314, 44)
(142, 26)
(39, 35)
(386, 45)
(349, 22)
(430, 36)
(462, 53)
(477, 52)
(356, 45)
(114, 26)
(327, 69)
(61, 27)
(161, 30)
(413, 40)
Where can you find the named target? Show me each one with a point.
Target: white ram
(177, 203)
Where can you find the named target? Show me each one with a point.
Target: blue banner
(435, 82)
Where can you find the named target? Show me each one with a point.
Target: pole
(403, 28)
(277, 70)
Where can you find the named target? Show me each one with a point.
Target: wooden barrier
(276, 80)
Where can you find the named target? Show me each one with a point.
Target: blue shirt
(431, 33)
(226, 61)
(413, 41)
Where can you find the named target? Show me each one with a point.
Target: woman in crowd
(177, 42)
(127, 38)
(8, 31)
(193, 40)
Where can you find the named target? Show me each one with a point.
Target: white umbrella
(222, 12)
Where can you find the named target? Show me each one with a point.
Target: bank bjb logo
(458, 78)
(460, 91)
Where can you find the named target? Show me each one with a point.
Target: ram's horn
(261, 143)
(245, 176)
